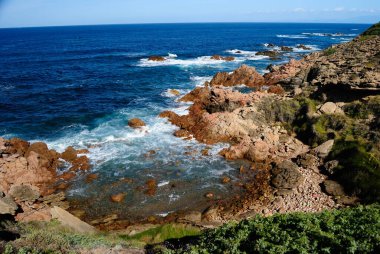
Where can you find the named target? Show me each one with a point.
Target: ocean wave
(330, 34)
(203, 60)
(312, 48)
(241, 52)
(291, 36)
(200, 81)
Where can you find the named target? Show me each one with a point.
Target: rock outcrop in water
(322, 132)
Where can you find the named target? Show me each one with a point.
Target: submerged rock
(136, 123)
(222, 58)
(117, 198)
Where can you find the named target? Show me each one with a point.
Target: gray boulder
(286, 175)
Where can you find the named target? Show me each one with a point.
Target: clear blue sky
(22, 13)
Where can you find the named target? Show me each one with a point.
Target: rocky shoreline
(294, 130)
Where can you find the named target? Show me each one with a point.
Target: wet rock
(287, 49)
(118, 198)
(7, 206)
(156, 58)
(71, 221)
(136, 123)
(174, 92)
(226, 179)
(301, 46)
(269, 53)
(70, 154)
(24, 192)
(286, 175)
(323, 150)
(221, 58)
(150, 187)
(67, 176)
(91, 177)
(81, 163)
(333, 188)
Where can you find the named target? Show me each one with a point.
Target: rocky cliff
(310, 128)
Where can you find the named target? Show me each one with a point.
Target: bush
(352, 230)
(358, 171)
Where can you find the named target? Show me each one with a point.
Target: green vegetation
(164, 232)
(54, 238)
(352, 230)
(358, 170)
(329, 51)
(373, 30)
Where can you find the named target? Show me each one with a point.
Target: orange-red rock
(136, 123)
(117, 198)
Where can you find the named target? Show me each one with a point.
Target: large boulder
(69, 220)
(333, 188)
(25, 192)
(7, 206)
(136, 123)
(245, 75)
(286, 175)
(323, 150)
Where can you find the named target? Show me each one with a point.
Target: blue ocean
(79, 86)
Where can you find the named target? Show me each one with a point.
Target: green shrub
(329, 51)
(359, 170)
(353, 230)
(373, 30)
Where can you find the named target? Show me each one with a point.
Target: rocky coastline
(308, 131)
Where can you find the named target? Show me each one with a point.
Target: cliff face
(320, 114)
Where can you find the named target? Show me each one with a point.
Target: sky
(30, 13)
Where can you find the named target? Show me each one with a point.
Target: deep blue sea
(79, 86)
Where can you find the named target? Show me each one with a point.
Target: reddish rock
(157, 58)
(117, 198)
(17, 146)
(277, 89)
(225, 179)
(150, 187)
(67, 176)
(174, 92)
(136, 123)
(245, 75)
(70, 154)
(91, 177)
(221, 58)
(81, 163)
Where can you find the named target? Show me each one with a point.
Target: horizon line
(183, 23)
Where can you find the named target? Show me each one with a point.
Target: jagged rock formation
(29, 177)
(324, 107)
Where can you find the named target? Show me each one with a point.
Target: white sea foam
(203, 60)
(291, 36)
(312, 48)
(329, 34)
(240, 52)
(200, 81)
(163, 183)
